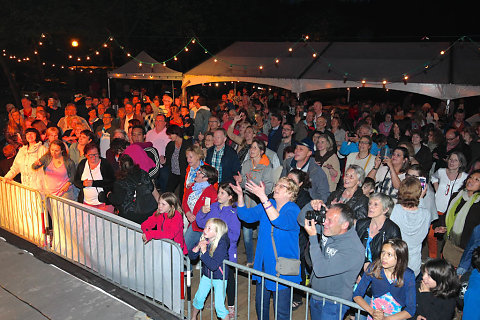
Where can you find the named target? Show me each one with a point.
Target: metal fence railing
(112, 248)
(245, 302)
(22, 212)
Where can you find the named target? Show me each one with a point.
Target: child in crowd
(437, 291)
(213, 249)
(368, 186)
(472, 296)
(392, 284)
(166, 222)
(225, 209)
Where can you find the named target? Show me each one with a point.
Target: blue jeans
(248, 242)
(162, 179)
(219, 292)
(327, 311)
(283, 307)
(192, 237)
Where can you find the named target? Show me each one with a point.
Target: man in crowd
(454, 142)
(159, 138)
(304, 128)
(27, 111)
(304, 161)
(65, 123)
(138, 138)
(318, 110)
(54, 110)
(105, 131)
(202, 115)
(287, 140)
(223, 157)
(336, 260)
(275, 133)
(321, 126)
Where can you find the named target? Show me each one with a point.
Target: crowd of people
(339, 198)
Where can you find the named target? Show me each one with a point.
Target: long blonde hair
(221, 228)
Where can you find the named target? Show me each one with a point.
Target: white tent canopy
(326, 65)
(150, 69)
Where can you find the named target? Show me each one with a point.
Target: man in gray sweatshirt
(336, 261)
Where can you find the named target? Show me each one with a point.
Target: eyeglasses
(281, 186)
(92, 155)
(203, 173)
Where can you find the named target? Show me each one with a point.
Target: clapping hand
(256, 189)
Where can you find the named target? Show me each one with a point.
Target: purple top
(229, 215)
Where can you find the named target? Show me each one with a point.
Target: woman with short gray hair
(377, 228)
(351, 192)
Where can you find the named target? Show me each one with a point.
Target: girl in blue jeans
(213, 249)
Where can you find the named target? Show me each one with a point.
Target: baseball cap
(306, 143)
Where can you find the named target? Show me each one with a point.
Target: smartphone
(304, 114)
(423, 182)
(207, 201)
(384, 152)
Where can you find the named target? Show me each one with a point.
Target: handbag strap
(274, 247)
(275, 250)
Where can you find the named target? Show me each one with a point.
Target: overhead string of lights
(289, 51)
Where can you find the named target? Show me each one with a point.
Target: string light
(175, 58)
(363, 83)
(215, 60)
(442, 52)
(314, 54)
(290, 49)
(74, 43)
(260, 67)
(384, 83)
(405, 78)
(186, 48)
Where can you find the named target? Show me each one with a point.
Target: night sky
(162, 28)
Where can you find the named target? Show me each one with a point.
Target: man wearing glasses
(453, 143)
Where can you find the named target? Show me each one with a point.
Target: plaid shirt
(217, 161)
(149, 121)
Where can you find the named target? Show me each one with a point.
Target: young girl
(437, 292)
(225, 209)
(392, 284)
(213, 249)
(167, 221)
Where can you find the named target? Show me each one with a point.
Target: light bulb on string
(140, 64)
(215, 60)
(193, 40)
(277, 61)
(105, 45)
(97, 53)
(186, 49)
(442, 52)
(79, 59)
(88, 58)
(129, 55)
(42, 35)
(40, 43)
(260, 67)
(74, 43)
(314, 54)
(164, 64)
(175, 58)
(290, 49)
(405, 78)
(53, 64)
(35, 52)
(384, 84)
(70, 56)
(364, 83)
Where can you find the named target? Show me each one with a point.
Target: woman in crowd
(175, 158)
(375, 229)
(76, 149)
(59, 171)
(461, 218)
(326, 157)
(386, 126)
(423, 155)
(243, 142)
(413, 220)
(197, 194)
(94, 175)
(207, 142)
(435, 138)
(15, 131)
(123, 192)
(449, 180)
(363, 158)
(337, 130)
(195, 157)
(26, 157)
(351, 192)
(117, 146)
(394, 136)
(437, 292)
(278, 224)
(257, 169)
(302, 180)
(389, 175)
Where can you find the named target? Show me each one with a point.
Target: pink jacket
(167, 228)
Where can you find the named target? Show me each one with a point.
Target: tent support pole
(108, 85)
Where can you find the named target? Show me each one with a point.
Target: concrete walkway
(31, 289)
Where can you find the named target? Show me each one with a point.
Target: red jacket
(166, 228)
(209, 192)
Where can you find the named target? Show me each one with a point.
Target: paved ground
(34, 289)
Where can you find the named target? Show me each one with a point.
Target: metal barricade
(112, 248)
(22, 212)
(243, 303)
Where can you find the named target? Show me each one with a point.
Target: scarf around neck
(454, 220)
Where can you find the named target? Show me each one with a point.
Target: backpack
(144, 201)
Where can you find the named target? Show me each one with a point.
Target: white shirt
(127, 118)
(159, 140)
(446, 187)
(90, 194)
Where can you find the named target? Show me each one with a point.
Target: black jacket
(123, 194)
(358, 202)
(389, 230)
(108, 177)
(182, 157)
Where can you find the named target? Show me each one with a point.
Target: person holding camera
(336, 259)
(94, 177)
